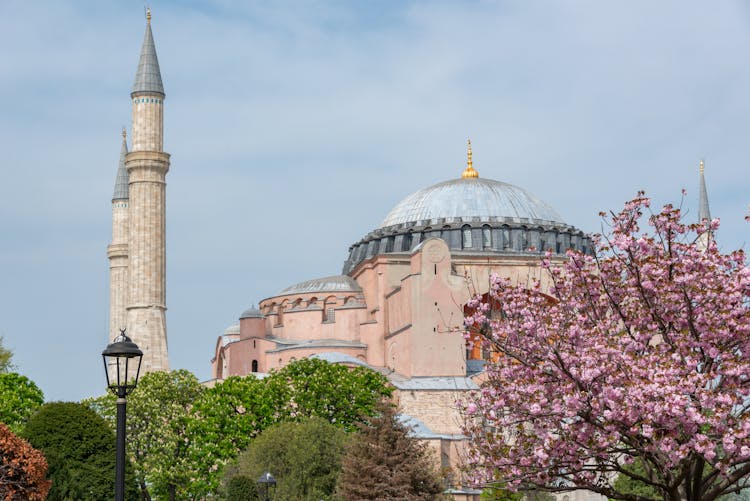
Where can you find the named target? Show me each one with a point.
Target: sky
(294, 127)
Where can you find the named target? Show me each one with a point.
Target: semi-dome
(232, 329)
(467, 199)
(335, 283)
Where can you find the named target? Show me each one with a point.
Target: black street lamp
(265, 483)
(122, 363)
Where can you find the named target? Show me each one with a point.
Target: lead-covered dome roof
(252, 312)
(468, 199)
(472, 215)
(335, 283)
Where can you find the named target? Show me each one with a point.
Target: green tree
(23, 469)
(385, 463)
(226, 417)
(341, 395)
(242, 488)
(158, 411)
(19, 398)
(224, 420)
(80, 449)
(6, 358)
(304, 457)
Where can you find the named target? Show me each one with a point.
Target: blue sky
(294, 127)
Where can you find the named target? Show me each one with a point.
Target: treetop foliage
(383, 462)
(80, 449)
(640, 353)
(19, 398)
(158, 415)
(181, 434)
(342, 395)
(23, 469)
(230, 414)
(304, 457)
(6, 358)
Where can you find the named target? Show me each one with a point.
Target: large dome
(474, 217)
(469, 198)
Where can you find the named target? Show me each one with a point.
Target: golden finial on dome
(702, 167)
(148, 15)
(469, 171)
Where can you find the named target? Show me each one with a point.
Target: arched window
(466, 237)
(506, 238)
(329, 314)
(280, 314)
(486, 237)
(255, 366)
(389, 244)
(406, 246)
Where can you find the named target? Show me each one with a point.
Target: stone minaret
(117, 251)
(704, 213)
(147, 166)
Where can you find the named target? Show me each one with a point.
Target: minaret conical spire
(148, 76)
(121, 181)
(703, 212)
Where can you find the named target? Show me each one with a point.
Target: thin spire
(148, 76)
(121, 181)
(703, 212)
(469, 172)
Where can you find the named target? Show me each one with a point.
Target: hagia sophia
(397, 305)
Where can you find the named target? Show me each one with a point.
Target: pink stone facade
(402, 316)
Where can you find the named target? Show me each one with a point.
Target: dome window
(466, 237)
(389, 245)
(506, 238)
(406, 246)
(486, 237)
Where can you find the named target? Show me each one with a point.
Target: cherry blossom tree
(635, 362)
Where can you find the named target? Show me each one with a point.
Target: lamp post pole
(122, 363)
(120, 460)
